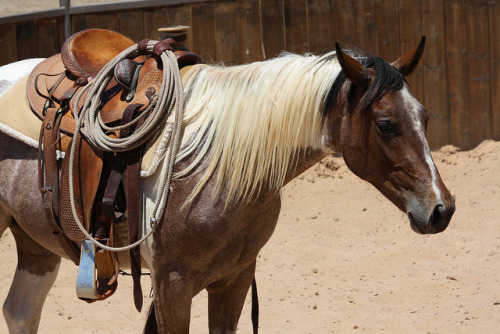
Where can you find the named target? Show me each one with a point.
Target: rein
(169, 99)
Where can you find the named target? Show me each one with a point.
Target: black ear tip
(420, 47)
(338, 50)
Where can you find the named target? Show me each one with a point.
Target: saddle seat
(84, 54)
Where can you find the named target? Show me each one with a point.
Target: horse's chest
(216, 243)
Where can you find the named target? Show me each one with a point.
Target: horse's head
(381, 134)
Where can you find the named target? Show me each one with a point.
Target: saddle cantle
(53, 89)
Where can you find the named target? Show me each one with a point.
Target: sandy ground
(343, 259)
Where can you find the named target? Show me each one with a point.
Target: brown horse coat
(223, 209)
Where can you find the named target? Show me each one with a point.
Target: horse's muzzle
(436, 222)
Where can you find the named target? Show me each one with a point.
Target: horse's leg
(151, 325)
(5, 220)
(172, 303)
(35, 274)
(226, 299)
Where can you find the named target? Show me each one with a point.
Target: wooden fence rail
(458, 80)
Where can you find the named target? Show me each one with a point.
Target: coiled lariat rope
(89, 122)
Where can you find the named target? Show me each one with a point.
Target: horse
(259, 126)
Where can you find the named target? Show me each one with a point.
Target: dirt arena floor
(343, 259)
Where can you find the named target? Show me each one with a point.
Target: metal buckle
(45, 107)
(46, 189)
(63, 108)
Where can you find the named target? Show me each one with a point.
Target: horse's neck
(305, 160)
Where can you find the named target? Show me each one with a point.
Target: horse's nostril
(441, 216)
(437, 214)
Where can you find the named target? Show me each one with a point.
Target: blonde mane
(254, 120)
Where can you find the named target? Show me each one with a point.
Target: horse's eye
(384, 126)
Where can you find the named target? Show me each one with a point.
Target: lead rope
(255, 307)
(169, 97)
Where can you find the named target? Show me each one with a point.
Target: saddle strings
(170, 99)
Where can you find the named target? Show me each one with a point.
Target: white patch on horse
(149, 194)
(23, 306)
(413, 106)
(12, 73)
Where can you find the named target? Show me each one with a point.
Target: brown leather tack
(142, 47)
(161, 46)
(49, 180)
(98, 192)
(134, 214)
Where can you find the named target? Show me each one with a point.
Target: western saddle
(100, 198)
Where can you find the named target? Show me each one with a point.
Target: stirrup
(97, 274)
(86, 281)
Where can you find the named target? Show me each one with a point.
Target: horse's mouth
(420, 228)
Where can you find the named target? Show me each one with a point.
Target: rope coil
(169, 99)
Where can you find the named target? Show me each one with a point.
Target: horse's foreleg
(5, 220)
(35, 274)
(172, 304)
(225, 301)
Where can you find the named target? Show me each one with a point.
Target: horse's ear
(407, 63)
(352, 69)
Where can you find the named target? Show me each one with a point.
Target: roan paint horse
(260, 125)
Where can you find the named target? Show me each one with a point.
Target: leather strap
(159, 48)
(56, 85)
(113, 185)
(49, 180)
(119, 165)
(70, 92)
(108, 268)
(134, 211)
(134, 218)
(162, 46)
(50, 184)
(100, 223)
(142, 47)
(255, 307)
(130, 160)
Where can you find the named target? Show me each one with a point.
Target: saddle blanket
(17, 119)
